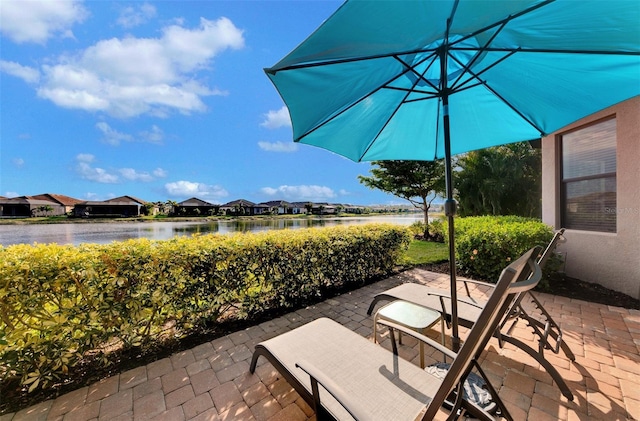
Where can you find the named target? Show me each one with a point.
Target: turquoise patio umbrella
(426, 79)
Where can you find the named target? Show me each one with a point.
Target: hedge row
(487, 244)
(59, 303)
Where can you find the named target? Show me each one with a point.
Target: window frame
(565, 182)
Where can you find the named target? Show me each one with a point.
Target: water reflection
(120, 231)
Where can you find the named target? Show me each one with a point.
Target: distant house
(279, 207)
(355, 209)
(301, 207)
(66, 201)
(28, 206)
(324, 209)
(130, 199)
(119, 207)
(240, 207)
(261, 209)
(196, 207)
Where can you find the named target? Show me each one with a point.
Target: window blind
(589, 177)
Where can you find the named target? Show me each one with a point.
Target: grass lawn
(425, 252)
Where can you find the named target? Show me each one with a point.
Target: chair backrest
(557, 238)
(521, 275)
(515, 308)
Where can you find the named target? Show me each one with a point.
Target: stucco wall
(609, 259)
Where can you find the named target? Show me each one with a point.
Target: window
(588, 197)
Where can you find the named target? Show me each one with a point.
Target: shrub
(436, 230)
(485, 245)
(59, 304)
(417, 229)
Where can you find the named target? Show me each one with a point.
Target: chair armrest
(353, 407)
(473, 281)
(446, 295)
(419, 336)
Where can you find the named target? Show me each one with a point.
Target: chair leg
(392, 336)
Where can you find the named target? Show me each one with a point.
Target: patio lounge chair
(548, 332)
(343, 375)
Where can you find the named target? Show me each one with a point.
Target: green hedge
(59, 304)
(486, 244)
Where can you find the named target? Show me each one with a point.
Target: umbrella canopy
(380, 80)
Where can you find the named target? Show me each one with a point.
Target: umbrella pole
(450, 203)
(450, 211)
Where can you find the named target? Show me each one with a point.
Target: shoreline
(67, 220)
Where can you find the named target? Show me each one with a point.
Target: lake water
(76, 233)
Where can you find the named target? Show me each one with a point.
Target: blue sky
(159, 100)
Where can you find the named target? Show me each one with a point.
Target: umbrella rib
(454, 8)
(484, 83)
(413, 70)
(382, 86)
(391, 115)
(508, 104)
(503, 21)
(273, 71)
(549, 50)
(477, 55)
(436, 95)
(418, 91)
(475, 76)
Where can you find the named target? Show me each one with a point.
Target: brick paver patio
(212, 380)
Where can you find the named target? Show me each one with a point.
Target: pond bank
(67, 220)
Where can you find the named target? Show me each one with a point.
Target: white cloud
(155, 135)
(159, 173)
(113, 137)
(132, 76)
(88, 171)
(275, 119)
(134, 175)
(302, 192)
(11, 194)
(134, 16)
(96, 174)
(85, 157)
(278, 146)
(270, 191)
(18, 162)
(28, 74)
(38, 20)
(186, 189)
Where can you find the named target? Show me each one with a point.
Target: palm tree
(172, 205)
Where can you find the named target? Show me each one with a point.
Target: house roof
(239, 202)
(28, 200)
(109, 203)
(194, 201)
(127, 199)
(300, 204)
(280, 203)
(58, 198)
